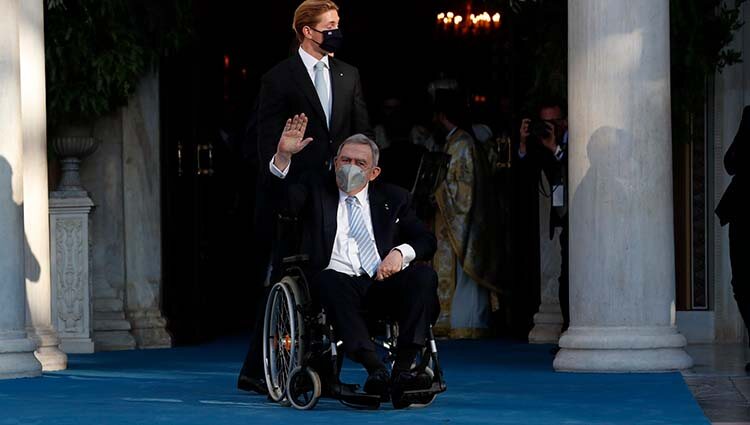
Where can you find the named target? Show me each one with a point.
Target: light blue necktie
(322, 87)
(368, 255)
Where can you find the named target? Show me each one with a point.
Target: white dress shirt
(310, 62)
(345, 254)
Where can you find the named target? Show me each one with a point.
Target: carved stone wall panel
(71, 288)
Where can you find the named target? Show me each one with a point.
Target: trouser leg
(409, 297)
(342, 298)
(263, 225)
(253, 363)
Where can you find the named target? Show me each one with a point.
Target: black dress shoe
(405, 380)
(409, 381)
(255, 385)
(378, 383)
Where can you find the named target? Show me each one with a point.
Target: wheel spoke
(283, 343)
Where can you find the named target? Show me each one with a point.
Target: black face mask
(332, 40)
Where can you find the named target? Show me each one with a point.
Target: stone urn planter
(71, 146)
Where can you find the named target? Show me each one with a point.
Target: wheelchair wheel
(281, 340)
(303, 389)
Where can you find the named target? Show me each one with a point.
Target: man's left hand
(390, 265)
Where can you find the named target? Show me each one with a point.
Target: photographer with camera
(543, 145)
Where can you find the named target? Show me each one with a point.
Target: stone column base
(113, 341)
(149, 329)
(547, 325)
(17, 356)
(77, 345)
(111, 328)
(622, 349)
(48, 352)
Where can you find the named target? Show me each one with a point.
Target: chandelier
(470, 23)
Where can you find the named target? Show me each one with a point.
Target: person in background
(543, 146)
(733, 210)
(464, 225)
(401, 157)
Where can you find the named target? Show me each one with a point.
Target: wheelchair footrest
(345, 394)
(414, 396)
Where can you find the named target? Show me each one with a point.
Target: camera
(539, 129)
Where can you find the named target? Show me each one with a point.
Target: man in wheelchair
(363, 240)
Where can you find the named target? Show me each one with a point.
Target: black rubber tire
(303, 388)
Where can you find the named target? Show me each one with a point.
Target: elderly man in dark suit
(362, 238)
(328, 91)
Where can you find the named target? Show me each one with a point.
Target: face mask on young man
(332, 39)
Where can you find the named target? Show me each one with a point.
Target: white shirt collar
(450, 133)
(310, 61)
(361, 196)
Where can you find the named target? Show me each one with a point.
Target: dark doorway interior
(209, 166)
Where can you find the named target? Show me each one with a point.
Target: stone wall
(123, 178)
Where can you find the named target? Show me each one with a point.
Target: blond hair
(308, 14)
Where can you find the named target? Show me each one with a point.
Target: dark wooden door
(208, 191)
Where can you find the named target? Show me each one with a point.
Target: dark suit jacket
(287, 90)
(315, 201)
(731, 207)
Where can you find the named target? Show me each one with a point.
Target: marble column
(16, 349)
(548, 321)
(142, 215)
(622, 278)
(36, 202)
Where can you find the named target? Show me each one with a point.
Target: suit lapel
(380, 216)
(330, 201)
(302, 79)
(337, 90)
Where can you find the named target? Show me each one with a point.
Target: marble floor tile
(719, 382)
(717, 389)
(743, 386)
(717, 359)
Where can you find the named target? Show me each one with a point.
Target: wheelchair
(296, 337)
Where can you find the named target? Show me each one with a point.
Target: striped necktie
(368, 255)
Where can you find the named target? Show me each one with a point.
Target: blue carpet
(488, 382)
